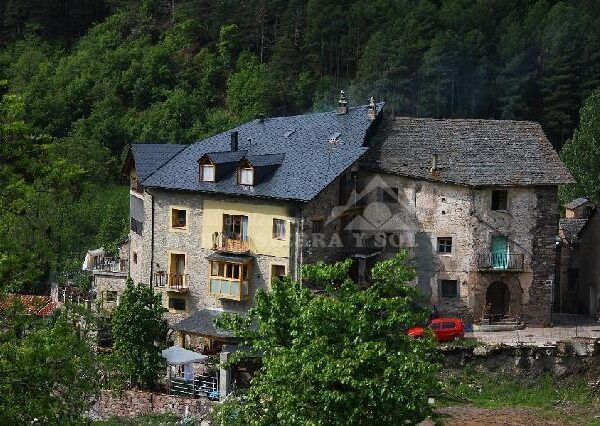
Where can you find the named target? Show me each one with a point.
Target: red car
(445, 329)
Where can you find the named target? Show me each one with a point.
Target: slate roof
(470, 152)
(203, 323)
(226, 157)
(148, 157)
(571, 228)
(576, 203)
(308, 162)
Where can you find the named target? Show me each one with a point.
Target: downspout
(151, 241)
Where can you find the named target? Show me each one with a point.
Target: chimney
(372, 110)
(234, 141)
(342, 104)
(434, 164)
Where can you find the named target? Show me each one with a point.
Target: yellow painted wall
(260, 224)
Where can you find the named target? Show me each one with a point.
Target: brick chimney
(342, 104)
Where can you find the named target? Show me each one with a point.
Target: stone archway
(498, 297)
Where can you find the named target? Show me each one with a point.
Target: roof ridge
(457, 119)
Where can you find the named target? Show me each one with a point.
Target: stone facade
(415, 213)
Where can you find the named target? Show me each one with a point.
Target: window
(390, 195)
(229, 280)
(246, 176)
(279, 229)
(317, 226)
(277, 271)
(177, 275)
(176, 304)
(135, 257)
(444, 245)
(110, 296)
(235, 227)
(449, 289)
(207, 172)
(448, 325)
(499, 199)
(178, 218)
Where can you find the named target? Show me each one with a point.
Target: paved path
(537, 336)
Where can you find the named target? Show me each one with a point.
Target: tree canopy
(338, 357)
(139, 332)
(48, 367)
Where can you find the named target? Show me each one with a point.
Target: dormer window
(207, 171)
(246, 175)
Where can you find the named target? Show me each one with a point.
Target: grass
(558, 400)
(145, 419)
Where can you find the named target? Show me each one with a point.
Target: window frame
(246, 167)
(449, 281)
(500, 202)
(279, 229)
(272, 271)
(203, 166)
(173, 309)
(443, 242)
(226, 271)
(179, 228)
(112, 293)
(171, 255)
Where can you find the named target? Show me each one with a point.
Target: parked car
(445, 329)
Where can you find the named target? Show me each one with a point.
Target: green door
(499, 252)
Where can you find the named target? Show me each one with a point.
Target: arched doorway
(498, 297)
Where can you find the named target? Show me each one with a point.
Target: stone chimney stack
(372, 110)
(342, 104)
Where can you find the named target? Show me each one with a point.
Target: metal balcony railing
(500, 261)
(230, 243)
(111, 265)
(177, 282)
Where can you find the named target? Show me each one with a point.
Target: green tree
(582, 154)
(50, 373)
(341, 357)
(139, 332)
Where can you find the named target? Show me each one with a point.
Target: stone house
(108, 274)
(473, 201)
(578, 264)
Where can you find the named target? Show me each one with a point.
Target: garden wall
(133, 403)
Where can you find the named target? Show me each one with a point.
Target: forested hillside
(82, 80)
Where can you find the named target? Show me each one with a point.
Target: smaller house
(109, 274)
(579, 269)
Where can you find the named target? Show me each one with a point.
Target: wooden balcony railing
(500, 262)
(230, 244)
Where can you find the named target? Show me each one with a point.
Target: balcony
(107, 264)
(172, 282)
(500, 262)
(230, 244)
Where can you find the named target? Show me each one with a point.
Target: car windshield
(448, 325)
(435, 326)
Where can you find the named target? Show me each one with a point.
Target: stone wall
(579, 357)
(133, 403)
(537, 310)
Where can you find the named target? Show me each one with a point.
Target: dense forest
(80, 81)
